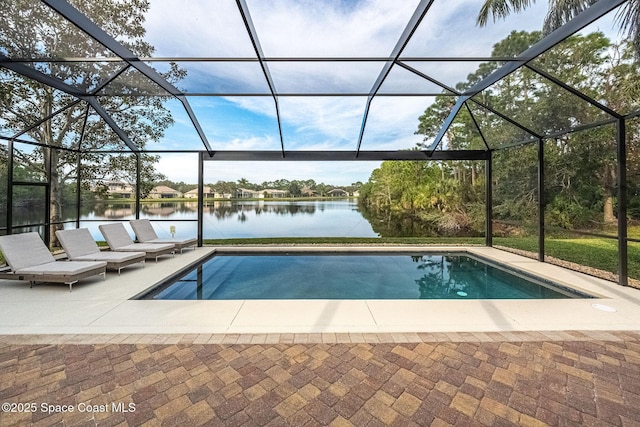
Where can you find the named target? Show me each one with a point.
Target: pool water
(354, 276)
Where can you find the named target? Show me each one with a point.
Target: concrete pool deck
(98, 307)
(338, 363)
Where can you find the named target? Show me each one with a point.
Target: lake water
(237, 219)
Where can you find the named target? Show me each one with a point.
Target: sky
(310, 28)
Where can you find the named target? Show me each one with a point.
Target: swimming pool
(353, 276)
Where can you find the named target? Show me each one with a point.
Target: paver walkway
(456, 379)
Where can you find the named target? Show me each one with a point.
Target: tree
(31, 29)
(580, 179)
(294, 189)
(562, 11)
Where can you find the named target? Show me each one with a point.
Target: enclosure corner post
(488, 200)
(47, 197)
(200, 197)
(621, 140)
(541, 200)
(78, 187)
(138, 167)
(10, 187)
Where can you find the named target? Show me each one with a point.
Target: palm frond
(500, 9)
(628, 17)
(562, 11)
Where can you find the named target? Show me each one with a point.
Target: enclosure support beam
(200, 197)
(253, 35)
(333, 156)
(79, 167)
(74, 16)
(573, 91)
(138, 167)
(60, 85)
(595, 11)
(10, 187)
(47, 198)
(78, 188)
(488, 171)
(412, 26)
(621, 137)
(541, 200)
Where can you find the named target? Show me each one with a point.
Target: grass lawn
(594, 252)
(349, 240)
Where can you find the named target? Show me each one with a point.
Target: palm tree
(562, 11)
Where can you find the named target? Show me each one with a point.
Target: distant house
(223, 195)
(337, 192)
(274, 193)
(164, 192)
(308, 192)
(244, 193)
(119, 189)
(356, 193)
(193, 194)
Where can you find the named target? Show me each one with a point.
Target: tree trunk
(609, 217)
(55, 204)
(610, 191)
(51, 159)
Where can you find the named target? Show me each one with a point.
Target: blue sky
(306, 28)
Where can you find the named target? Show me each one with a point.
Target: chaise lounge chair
(119, 240)
(146, 234)
(29, 259)
(80, 246)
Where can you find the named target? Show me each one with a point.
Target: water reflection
(454, 276)
(226, 209)
(229, 218)
(252, 218)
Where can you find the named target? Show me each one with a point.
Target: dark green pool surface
(316, 276)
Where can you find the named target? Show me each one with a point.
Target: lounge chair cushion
(110, 256)
(178, 242)
(77, 243)
(146, 234)
(25, 250)
(116, 236)
(149, 248)
(143, 229)
(62, 268)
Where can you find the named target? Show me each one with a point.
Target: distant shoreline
(252, 199)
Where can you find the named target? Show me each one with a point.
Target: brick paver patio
(564, 378)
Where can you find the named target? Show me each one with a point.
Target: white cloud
(197, 28)
(330, 28)
(179, 167)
